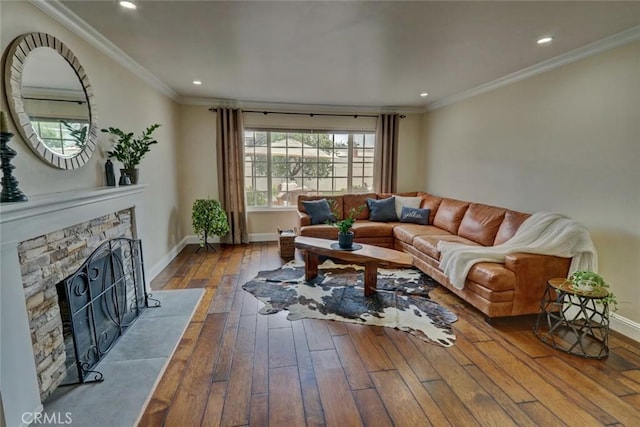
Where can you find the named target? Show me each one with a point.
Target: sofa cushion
(372, 229)
(407, 232)
(321, 231)
(410, 202)
(415, 216)
(449, 215)
(432, 203)
(354, 201)
(429, 243)
(336, 209)
(510, 224)
(319, 211)
(492, 275)
(480, 223)
(382, 210)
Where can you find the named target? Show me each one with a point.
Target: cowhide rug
(401, 301)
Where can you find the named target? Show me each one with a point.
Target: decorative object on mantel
(130, 150)
(124, 179)
(109, 173)
(208, 218)
(10, 190)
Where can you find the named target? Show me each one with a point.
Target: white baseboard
(624, 326)
(160, 265)
(263, 237)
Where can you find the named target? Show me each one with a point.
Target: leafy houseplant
(208, 218)
(130, 150)
(590, 283)
(345, 235)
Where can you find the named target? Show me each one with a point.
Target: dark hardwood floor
(234, 367)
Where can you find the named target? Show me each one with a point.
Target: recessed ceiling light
(545, 40)
(424, 94)
(128, 5)
(197, 82)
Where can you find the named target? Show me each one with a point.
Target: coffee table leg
(310, 265)
(370, 278)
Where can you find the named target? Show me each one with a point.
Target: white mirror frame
(15, 60)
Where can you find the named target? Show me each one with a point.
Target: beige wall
(564, 141)
(123, 101)
(198, 158)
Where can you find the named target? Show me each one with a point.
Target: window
(280, 165)
(66, 138)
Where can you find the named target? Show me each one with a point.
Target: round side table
(574, 321)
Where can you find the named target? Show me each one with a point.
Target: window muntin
(280, 165)
(64, 137)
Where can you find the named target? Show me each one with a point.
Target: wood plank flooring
(235, 367)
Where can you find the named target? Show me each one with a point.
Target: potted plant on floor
(208, 218)
(129, 150)
(345, 235)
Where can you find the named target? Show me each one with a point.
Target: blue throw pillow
(319, 211)
(416, 216)
(383, 210)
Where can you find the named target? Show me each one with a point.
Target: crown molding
(293, 107)
(608, 43)
(73, 22)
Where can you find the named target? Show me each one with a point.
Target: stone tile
(173, 306)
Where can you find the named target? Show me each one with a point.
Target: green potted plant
(345, 235)
(592, 284)
(129, 150)
(208, 218)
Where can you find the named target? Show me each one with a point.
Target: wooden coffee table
(371, 256)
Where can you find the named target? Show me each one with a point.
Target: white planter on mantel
(22, 221)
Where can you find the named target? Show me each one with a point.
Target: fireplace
(44, 241)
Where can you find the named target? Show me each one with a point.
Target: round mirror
(51, 100)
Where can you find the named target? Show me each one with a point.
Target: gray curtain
(230, 143)
(386, 153)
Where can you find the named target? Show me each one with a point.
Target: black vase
(345, 240)
(110, 174)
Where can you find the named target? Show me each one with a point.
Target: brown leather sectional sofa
(496, 289)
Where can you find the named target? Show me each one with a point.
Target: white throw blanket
(541, 233)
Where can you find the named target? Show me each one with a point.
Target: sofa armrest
(303, 219)
(532, 272)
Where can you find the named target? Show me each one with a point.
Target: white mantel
(27, 220)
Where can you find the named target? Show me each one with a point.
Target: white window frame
(270, 206)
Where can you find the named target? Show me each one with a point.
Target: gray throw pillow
(383, 210)
(415, 216)
(319, 211)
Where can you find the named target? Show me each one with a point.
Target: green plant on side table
(208, 218)
(590, 283)
(129, 150)
(345, 235)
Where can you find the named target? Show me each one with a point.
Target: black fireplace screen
(98, 303)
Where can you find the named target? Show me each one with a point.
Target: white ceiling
(370, 54)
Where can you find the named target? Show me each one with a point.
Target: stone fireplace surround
(20, 222)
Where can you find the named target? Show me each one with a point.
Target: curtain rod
(355, 116)
(55, 100)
